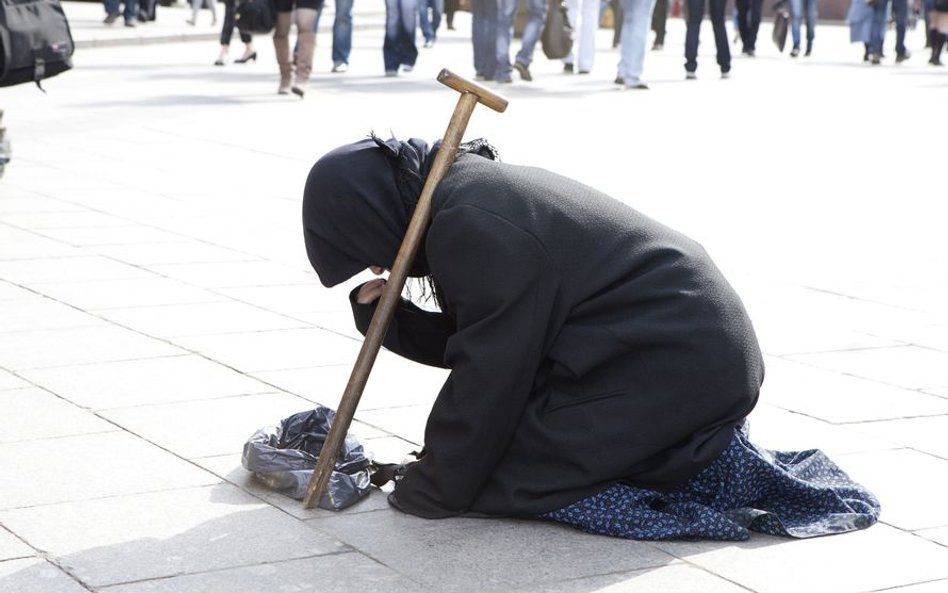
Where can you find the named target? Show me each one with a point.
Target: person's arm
(502, 289)
(414, 333)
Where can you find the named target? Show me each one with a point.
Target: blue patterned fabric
(796, 494)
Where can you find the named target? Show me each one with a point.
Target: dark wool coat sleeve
(501, 285)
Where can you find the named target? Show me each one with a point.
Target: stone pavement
(156, 307)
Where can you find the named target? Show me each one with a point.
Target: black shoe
(219, 62)
(794, 52)
(297, 91)
(899, 58)
(130, 23)
(568, 68)
(619, 80)
(523, 70)
(246, 59)
(875, 59)
(111, 19)
(809, 48)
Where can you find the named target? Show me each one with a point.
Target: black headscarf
(358, 201)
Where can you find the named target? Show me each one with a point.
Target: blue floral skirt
(793, 494)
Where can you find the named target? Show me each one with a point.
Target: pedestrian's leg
(812, 8)
(716, 8)
(505, 17)
(306, 44)
(938, 42)
(635, 26)
(536, 15)
(753, 26)
(281, 46)
(659, 18)
(589, 24)
(342, 35)
(195, 8)
(407, 24)
(880, 13)
(572, 15)
(741, 8)
(694, 17)
(796, 19)
(900, 7)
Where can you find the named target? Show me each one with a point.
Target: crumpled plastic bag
(284, 457)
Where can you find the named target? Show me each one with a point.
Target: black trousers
(748, 22)
(695, 16)
(230, 12)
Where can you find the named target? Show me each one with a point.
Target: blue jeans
(484, 37)
(401, 19)
(636, 21)
(131, 9)
(798, 10)
(429, 27)
(506, 9)
(536, 16)
(880, 16)
(342, 32)
(695, 15)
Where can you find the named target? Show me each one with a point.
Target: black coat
(587, 344)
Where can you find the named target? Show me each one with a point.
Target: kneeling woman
(601, 366)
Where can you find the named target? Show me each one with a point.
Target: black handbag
(781, 24)
(255, 16)
(35, 41)
(557, 37)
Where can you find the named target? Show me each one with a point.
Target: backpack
(35, 41)
(255, 16)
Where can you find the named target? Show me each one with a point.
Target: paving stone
(149, 254)
(12, 547)
(939, 586)
(11, 381)
(777, 429)
(229, 274)
(910, 485)
(675, 577)
(286, 298)
(161, 534)
(109, 235)
(29, 272)
(34, 574)
(137, 292)
(925, 434)
(838, 398)
(408, 422)
(49, 416)
(89, 466)
(129, 383)
(276, 350)
(41, 313)
(52, 348)
(172, 321)
(204, 428)
(486, 554)
(18, 200)
(68, 219)
(857, 562)
(17, 244)
(911, 367)
(11, 293)
(342, 573)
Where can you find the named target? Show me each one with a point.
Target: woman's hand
(370, 292)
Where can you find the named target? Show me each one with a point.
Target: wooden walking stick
(471, 94)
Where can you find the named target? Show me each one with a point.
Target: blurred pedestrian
(659, 18)
(342, 36)
(196, 8)
(800, 9)
(636, 20)
(586, 14)
(859, 17)
(294, 74)
(399, 49)
(880, 22)
(430, 24)
(450, 7)
(484, 38)
(532, 29)
(112, 12)
(748, 24)
(939, 30)
(230, 12)
(692, 33)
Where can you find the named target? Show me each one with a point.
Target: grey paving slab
(127, 234)
(486, 554)
(10, 381)
(19, 244)
(163, 534)
(343, 573)
(230, 274)
(204, 428)
(87, 467)
(146, 381)
(408, 422)
(18, 200)
(137, 292)
(275, 350)
(938, 586)
(10, 292)
(197, 319)
(51, 348)
(55, 220)
(35, 574)
(287, 298)
(229, 468)
(41, 313)
(857, 562)
(13, 547)
(836, 398)
(925, 434)
(33, 414)
(28, 272)
(906, 366)
(675, 577)
(781, 430)
(937, 535)
(149, 254)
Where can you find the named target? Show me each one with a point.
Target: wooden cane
(471, 94)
